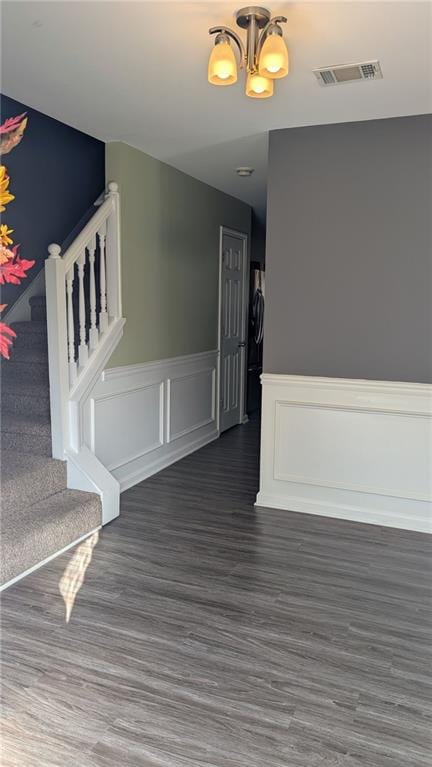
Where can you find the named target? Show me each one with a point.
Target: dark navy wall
(56, 173)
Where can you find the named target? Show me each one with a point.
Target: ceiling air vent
(347, 73)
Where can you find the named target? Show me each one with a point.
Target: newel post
(113, 253)
(57, 349)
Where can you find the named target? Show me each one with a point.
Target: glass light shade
(273, 60)
(258, 87)
(222, 68)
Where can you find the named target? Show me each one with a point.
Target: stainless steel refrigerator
(255, 336)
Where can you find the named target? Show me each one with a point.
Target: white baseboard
(129, 479)
(48, 559)
(142, 418)
(357, 450)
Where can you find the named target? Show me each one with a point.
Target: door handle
(242, 344)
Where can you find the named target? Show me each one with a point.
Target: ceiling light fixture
(265, 56)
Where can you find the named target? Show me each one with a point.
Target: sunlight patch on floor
(73, 576)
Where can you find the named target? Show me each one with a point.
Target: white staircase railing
(84, 318)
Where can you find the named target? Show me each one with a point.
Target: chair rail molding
(141, 418)
(85, 324)
(353, 449)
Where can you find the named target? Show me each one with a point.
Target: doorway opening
(233, 321)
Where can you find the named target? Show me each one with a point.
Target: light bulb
(222, 68)
(273, 60)
(258, 87)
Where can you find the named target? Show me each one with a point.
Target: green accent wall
(170, 256)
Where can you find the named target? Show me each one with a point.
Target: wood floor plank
(209, 633)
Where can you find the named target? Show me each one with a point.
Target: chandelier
(264, 58)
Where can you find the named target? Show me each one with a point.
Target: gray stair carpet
(39, 515)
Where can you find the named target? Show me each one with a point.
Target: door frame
(244, 323)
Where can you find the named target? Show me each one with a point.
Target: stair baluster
(83, 348)
(70, 325)
(94, 332)
(103, 314)
(71, 383)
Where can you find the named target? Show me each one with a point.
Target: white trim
(81, 241)
(71, 380)
(153, 430)
(349, 384)
(352, 449)
(372, 516)
(115, 397)
(136, 476)
(97, 360)
(244, 351)
(172, 436)
(147, 367)
(48, 559)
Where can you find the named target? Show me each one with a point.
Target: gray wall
(349, 248)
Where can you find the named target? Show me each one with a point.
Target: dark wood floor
(207, 633)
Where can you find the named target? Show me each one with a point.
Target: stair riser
(27, 443)
(38, 313)
(29, 355)
(17, 370)
(36, 301)
(23, 404)
(37, 341)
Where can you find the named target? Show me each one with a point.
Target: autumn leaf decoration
(13, 268)
(6, 337)
(11, 133)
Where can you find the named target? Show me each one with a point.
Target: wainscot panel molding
(141, 418)
(352, 449)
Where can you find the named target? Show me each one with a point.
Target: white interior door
(232, 344)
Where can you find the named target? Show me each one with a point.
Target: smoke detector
(244, 171)
(348, 73)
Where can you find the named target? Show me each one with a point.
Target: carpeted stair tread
(28, 478)
(26, 434)
(40, 516)
(34, 533)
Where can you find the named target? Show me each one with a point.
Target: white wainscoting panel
(141, 418)
(128, 424)
(359, 450)
(191, 402)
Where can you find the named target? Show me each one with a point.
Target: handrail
(85, 324)
(83, 292)
(72, 253)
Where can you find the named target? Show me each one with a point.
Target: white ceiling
(136, 72)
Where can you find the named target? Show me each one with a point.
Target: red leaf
(14, 270)
(12, 123)
(6, 336)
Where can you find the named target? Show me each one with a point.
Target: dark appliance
(255, 336)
